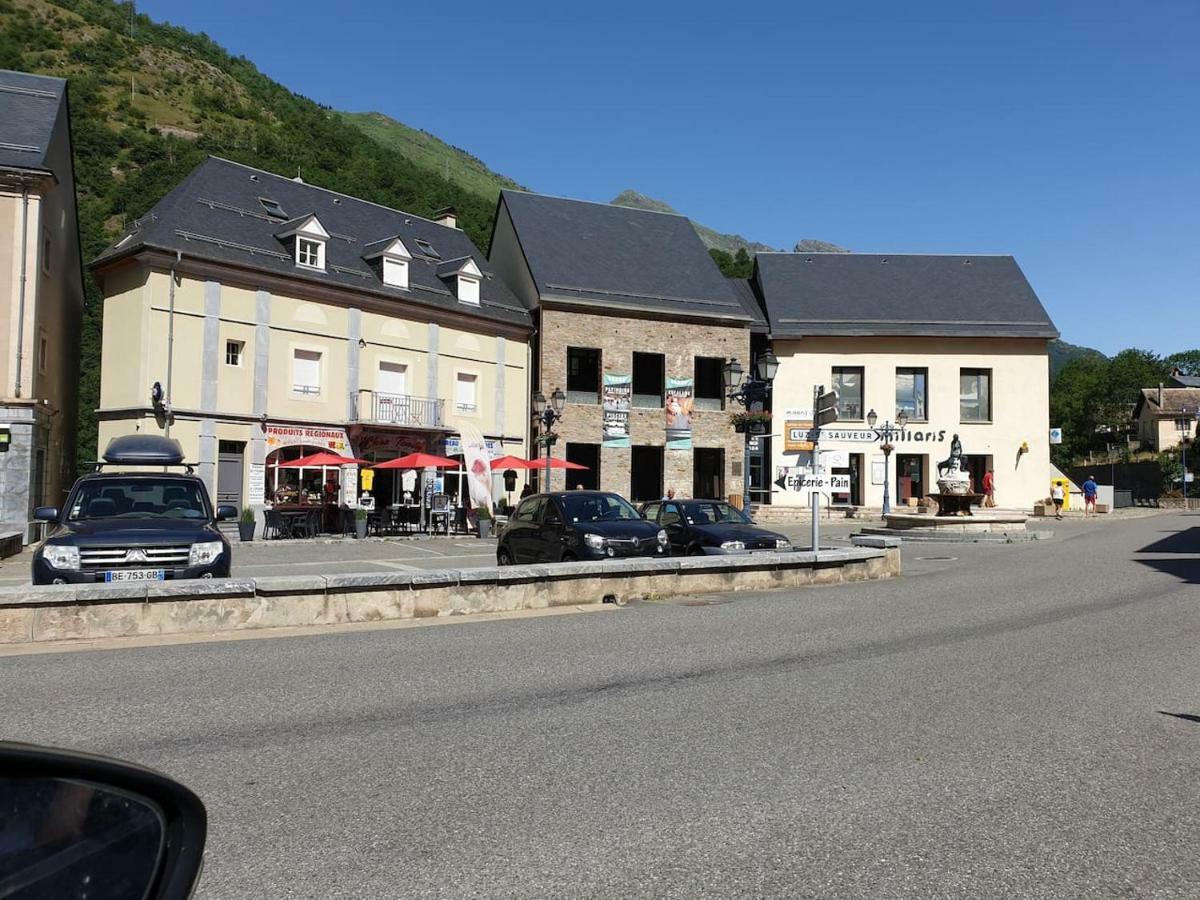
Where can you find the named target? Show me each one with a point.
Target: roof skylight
(274, 210)
(427, 248)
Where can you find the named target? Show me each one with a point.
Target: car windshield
(137, 498)
(710, 512)
(597, 507)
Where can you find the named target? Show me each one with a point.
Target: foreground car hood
(732, 531)
(142, 532)
(638, 528)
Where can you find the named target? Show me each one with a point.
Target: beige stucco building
(959, 343)
(259, 319)
(1164, 416)
(635, 323)
(41, 298)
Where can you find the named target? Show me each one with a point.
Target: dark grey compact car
(710, 527)
(572, 525)
(134, 526)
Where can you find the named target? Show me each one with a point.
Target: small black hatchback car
(710, 527)
(571, 525)
(134, 526)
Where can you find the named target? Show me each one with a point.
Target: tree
(1188, 362)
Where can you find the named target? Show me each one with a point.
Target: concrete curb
(89, 612)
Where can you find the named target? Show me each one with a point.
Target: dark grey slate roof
(215, 214)
(29, 106)
(619, 258)
(750, 302)
(1187, 381)
(884, 294)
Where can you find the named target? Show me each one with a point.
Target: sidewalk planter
(360, 524)
(485, 523)
(246, 526)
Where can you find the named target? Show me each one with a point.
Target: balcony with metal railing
(374, 408)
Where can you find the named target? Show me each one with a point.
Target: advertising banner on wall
(309, 435)
(679, 413)
(618, 390)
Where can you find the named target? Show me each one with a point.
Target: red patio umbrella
(417, 461)
(555, 463)
(323, 458)
(500, 463)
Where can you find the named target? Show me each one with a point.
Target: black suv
(569, 525)
(134, 526)
(710, 527)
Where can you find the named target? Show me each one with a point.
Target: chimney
(447, 216)
(1160, 395)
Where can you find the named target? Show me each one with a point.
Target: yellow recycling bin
(1066, 488)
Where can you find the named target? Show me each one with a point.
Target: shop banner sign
(478, 463)
(679, 413)
(618, 390)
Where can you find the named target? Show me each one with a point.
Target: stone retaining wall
(65, 612)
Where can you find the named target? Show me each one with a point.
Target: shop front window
(848, 382)
(911, 393)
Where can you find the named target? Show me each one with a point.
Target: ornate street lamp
(547, 413)
(886, 432)
(750, 393)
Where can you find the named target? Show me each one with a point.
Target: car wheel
(568, 557)
(696, 551)
(503, 557)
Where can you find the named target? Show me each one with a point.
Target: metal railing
(398, 409)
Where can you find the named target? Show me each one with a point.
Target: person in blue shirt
(1089, 495)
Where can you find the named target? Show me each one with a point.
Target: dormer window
(427, 248)
(310, 253)
(463, 277)
(393, 259)
(309, 237)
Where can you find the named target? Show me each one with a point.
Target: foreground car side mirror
(46, 513)
(226, 512)
(79, 825)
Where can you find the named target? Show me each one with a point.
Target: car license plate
(135, 575)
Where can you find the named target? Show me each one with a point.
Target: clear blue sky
(1064, 133)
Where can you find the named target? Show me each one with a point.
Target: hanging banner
(679, 413)
(478, 463)
(306, 435)
(618, 389)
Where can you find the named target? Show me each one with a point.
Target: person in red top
(989, 489)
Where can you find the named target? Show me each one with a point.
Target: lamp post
(886, 432)
(752, 394)
(547, 413)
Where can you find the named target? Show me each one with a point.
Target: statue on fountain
(953, 477)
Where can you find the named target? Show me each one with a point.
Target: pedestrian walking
(670, 495)
(989, 489)
(526, 491)
(1090, 490)
(1056, 494)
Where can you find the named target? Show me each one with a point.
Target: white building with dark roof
(41, 298)
(958, 343)
(259, 319)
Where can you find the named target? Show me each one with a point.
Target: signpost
(824, 412)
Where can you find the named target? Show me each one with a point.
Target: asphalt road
(1018, 720)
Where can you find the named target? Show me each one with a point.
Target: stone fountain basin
(981, 522)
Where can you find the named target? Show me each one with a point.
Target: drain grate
(939, 558)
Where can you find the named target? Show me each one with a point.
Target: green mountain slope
(1062, 353)
(149, 101)
(431, 152)
(714, 240)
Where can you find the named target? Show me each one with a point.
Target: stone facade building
(634, 323)
(41, 298)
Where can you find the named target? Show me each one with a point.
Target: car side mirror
(225, 513)
(46, 513)
(89, 824)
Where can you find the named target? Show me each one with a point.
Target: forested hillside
(149, 101)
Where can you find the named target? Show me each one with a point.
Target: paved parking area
(341, 556)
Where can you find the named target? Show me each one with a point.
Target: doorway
(585, 455)
(854, 471)
(910, 477)
(231, 457)
(708, 473)
(977, 467)
(646, 474)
